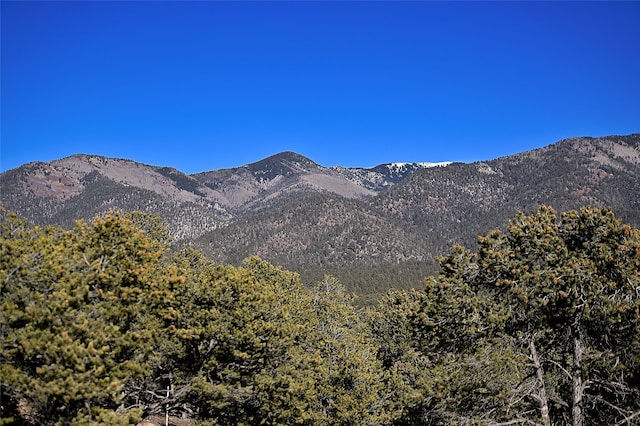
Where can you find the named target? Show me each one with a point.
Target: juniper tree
(72, 318)
(566, 292)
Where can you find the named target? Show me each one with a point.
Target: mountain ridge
(45, 192)
(351, 222)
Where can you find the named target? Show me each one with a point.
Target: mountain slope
(83, 186)
(257, 186)
(432, 209)
(384, 176)
(456, 203)
(367, 226)
(314, 229)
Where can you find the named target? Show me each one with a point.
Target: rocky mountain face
(365, 226)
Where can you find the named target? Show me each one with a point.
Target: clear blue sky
(205, 85)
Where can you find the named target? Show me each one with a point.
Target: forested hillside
(103, 324)
(406, 226)
(373, 229)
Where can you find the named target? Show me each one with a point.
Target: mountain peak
(291, 156)
(283, 164)
(288, 157)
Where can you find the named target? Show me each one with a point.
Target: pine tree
(352, 385)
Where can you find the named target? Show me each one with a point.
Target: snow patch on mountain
(399, 168)
(384, 176)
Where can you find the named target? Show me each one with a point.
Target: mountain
(83, 186)
(371, 227)
(260, 185)
(363, 242)
(454, 204)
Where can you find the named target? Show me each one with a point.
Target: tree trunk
(577, 413)
(542, 390)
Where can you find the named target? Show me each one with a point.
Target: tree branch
(628, 419)
(514, 422)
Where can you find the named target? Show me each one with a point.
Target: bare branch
(515, 422)
(627, 419)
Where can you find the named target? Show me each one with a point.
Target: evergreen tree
(241, 343)
(99, 326)
(72, 318)
(565, 294)
(352, 386)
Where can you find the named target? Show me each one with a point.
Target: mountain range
(373, 228)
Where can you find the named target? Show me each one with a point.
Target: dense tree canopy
(539, 325)
(72, 329)
(102, 324)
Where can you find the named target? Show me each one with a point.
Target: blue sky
(207, 85)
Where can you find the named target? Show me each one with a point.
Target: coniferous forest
(539, 324)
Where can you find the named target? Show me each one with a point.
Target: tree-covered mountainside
(433, 208)
(456, 203)
(358, 223)
(103, 324)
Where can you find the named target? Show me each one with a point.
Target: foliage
(557, 299)
(351, 385)
(71, 317)
(101, 324)
(242, 341)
